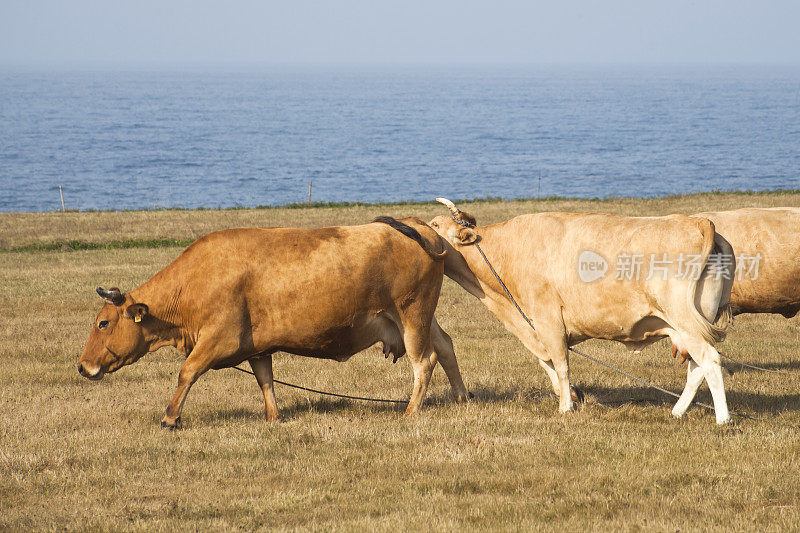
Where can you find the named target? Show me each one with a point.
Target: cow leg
(549, 369)
(694, 377)
(192, 369)
(532, 340)
(446, 355)
(262, 368)
(708, 359)
(420, 353)
(712, 367)
(560, 361)
(554, 359)
(552, 335)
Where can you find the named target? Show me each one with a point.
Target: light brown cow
(541, 258)
(766, 242)
(242, 294)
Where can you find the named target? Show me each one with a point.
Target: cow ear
(136, 312)
(466, 236)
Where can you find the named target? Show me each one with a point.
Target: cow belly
(754, 297)
(640, 332)
(626, 318)
(339, 344)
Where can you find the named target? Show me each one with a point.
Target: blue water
(128, 140)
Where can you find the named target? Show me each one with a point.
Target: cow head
(458, 234)
(457, 229)
(117, 338)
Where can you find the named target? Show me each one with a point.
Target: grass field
(81, 455)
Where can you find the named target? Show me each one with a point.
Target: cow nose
(82, 371)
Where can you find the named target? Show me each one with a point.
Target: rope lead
(323, 392)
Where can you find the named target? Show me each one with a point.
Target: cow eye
(102, 324)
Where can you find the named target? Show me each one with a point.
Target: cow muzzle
(86, 372)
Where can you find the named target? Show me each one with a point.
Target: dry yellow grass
(81, 455)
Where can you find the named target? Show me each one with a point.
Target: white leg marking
(694, 376)
(565, 396)
(551, 373)
(713, 372)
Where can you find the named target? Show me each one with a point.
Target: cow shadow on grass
(338, 405)
(526, 394)
(607, 396)
(610, 396)
(291, 410)
(300, 407)
(735, 367)
(747, 402)
(228, 415)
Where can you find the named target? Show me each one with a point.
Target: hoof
(678, 413)
(470, 395)
(171, 427)
(566, 409)
(577, 395)
(462, 398)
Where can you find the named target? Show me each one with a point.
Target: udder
(391, 339)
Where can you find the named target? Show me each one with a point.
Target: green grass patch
(77, 245)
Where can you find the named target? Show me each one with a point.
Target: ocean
(144, 140)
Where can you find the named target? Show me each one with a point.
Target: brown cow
(540, 258)
(766, 242)
(242, 294)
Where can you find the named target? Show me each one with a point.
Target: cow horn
(462, 218)
(450, 205)
(113, 296)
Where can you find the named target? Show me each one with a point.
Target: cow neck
(497, 252)
(162, 297)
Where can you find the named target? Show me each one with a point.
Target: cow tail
(437, 250)
(412, 233)
(711, 333)
(436, 256)
(724, 316)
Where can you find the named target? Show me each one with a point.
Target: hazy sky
(232, 33)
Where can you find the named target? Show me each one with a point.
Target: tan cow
(766, 242)
(556, 265)
(242, 294)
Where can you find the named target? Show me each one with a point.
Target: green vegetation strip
(71, 246)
